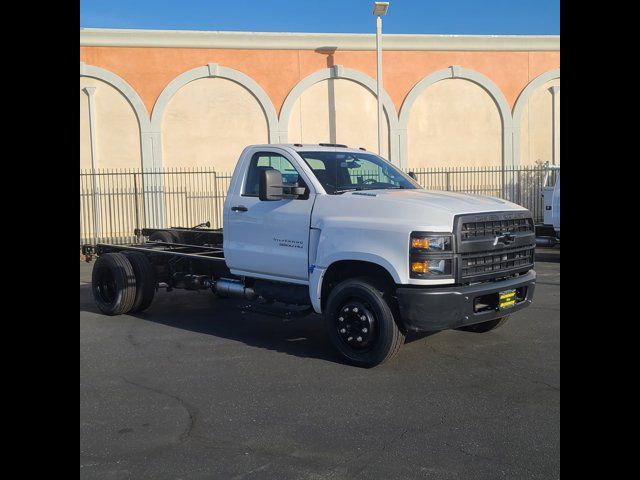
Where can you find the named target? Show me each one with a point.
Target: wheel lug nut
(346, 309)
(364, 330)
(342, 330)
(341, 319)
(359, 339)
(355, 309)
(363, 318)
(349, 339)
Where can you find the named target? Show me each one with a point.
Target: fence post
(135, 196)
(215, 199)
(97, 220)
(447, 177)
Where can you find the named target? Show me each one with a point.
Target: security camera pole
(379, 10)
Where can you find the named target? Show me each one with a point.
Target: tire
(145, 280)
(113, 283)
(352, 300)
(166, 237)
(485, 326)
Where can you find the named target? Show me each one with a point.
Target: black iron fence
(115, 202)
(521, 185)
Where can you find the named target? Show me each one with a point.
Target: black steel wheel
(113, 283)
(361, 322)
(485, 326)
(145, 280)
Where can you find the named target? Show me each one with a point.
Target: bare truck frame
(183, 258)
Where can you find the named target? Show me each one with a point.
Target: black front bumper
(440, 308)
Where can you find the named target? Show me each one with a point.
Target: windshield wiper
(354, 189)
(343, 190)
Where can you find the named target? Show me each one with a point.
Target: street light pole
(379, 10)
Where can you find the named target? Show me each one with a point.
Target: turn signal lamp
(433, 267)
(420, 267)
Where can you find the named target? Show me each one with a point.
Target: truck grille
(493, 245)
(495, 227)
(497, 263)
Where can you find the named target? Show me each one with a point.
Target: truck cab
(443, 258)
(357, 240)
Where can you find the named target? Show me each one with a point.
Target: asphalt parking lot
(194, 388)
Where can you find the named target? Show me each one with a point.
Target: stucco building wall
(463, 119)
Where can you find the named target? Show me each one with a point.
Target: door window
(267, 161)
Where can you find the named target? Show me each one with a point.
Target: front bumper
(432, 309)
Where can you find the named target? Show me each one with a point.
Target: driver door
(268, 239)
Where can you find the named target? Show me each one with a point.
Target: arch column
(555, 112)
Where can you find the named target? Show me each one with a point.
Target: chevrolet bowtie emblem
(505, 238)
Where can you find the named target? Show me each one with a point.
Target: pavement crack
(191, 411)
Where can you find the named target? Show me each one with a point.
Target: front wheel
(485, 326)
(361, 323)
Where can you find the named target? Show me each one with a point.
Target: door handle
(239, 208)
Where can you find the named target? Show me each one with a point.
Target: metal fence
(115, 202)
(522, 185)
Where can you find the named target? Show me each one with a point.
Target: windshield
(340, 172)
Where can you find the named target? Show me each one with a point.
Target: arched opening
(337, 110)
(540, 125)
(115, 139)
(208, 122)
(454, 123)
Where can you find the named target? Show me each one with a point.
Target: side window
(266, 161)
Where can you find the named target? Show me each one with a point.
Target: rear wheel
(361, 323)
(113, 283)
(485, 326)
(145, 280)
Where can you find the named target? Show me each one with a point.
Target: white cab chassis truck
(343, 233)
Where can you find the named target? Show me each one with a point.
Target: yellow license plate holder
(506, 299)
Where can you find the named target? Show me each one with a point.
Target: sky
(498, 17)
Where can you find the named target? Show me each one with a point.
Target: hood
(428, 209)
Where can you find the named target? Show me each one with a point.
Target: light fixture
(380, 8)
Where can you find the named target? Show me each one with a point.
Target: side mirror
(413, 175)
(270, 187)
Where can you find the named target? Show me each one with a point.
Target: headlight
(431, 243)
(430, 255)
